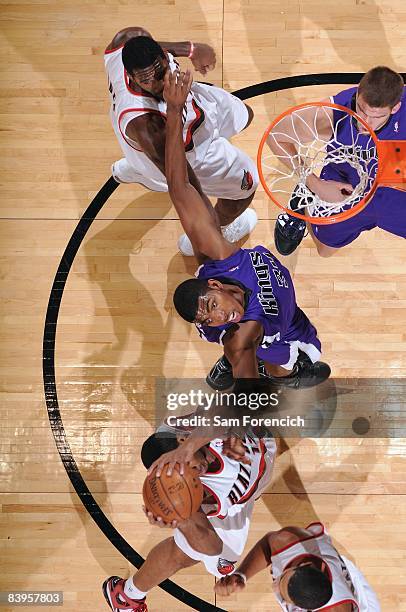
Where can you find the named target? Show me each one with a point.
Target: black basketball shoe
(305, 374)
(289, 230)
(220, 376)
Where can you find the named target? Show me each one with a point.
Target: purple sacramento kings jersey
(272, 299)
(394, 129)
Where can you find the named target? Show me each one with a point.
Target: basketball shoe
(220, 376)
(113, 591)
(305, 374)
(289, 230)
(240, 227)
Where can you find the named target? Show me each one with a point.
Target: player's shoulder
(345, 96)
(122, 36)
(287, 537)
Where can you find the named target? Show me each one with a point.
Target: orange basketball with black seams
(175, 497)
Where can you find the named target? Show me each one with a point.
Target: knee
(181, 559)
(325, 251)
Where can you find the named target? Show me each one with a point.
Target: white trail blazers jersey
(199, 116)
(349, 584)
(234, 483)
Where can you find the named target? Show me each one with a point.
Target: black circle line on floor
(51, 321)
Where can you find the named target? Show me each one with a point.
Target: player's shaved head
(309, 587)
(141, 52)
(186, 297)
(381, 87)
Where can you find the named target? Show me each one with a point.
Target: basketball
(175, 497)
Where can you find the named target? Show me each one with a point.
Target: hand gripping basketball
(182, 455)
(172, 498)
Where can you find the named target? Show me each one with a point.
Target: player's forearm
(175, 157)
(244, 362)
(177, 49)
(216, 425)
(258, 559)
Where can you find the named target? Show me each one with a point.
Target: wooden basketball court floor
(117, 329)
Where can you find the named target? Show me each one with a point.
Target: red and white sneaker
(113, 591)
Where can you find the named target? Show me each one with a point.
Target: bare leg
(322, 249)
(162, 561)
(228, 210)
(276, 370)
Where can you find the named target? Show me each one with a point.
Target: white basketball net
(286, 172)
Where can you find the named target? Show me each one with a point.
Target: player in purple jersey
(380, 100)
(243, 298)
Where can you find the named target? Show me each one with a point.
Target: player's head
(305, 586)
(379, 95)
(146, 63)
(162, 442)
(208, 302)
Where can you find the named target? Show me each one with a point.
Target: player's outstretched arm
(240, 348)
(256, 560)
(194, 209)
(149, 131)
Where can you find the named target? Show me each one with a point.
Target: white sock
(131, 590)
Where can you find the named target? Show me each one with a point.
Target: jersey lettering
(266, 296)
(242, 483)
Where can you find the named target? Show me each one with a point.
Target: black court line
(303, 80)
(54, 414)
(51, 321)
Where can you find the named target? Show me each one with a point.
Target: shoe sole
(287, 252)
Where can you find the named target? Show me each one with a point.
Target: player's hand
(332, 191)
(229, 584)
(158, 521)
(183, 454)
(233, 448)
(176, 88)
(203, 58)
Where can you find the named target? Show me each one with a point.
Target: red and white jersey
(319, 544)
(233, 484)
(199, 116)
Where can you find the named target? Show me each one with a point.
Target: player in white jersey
(307, 571)
(136, 66)
(216, 535)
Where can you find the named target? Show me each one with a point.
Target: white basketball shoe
(240, 227)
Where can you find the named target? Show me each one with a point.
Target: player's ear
(181, 437)
(214, 283)
(396, 108)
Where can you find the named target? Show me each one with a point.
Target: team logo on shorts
(225, 567)
(247, 181)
